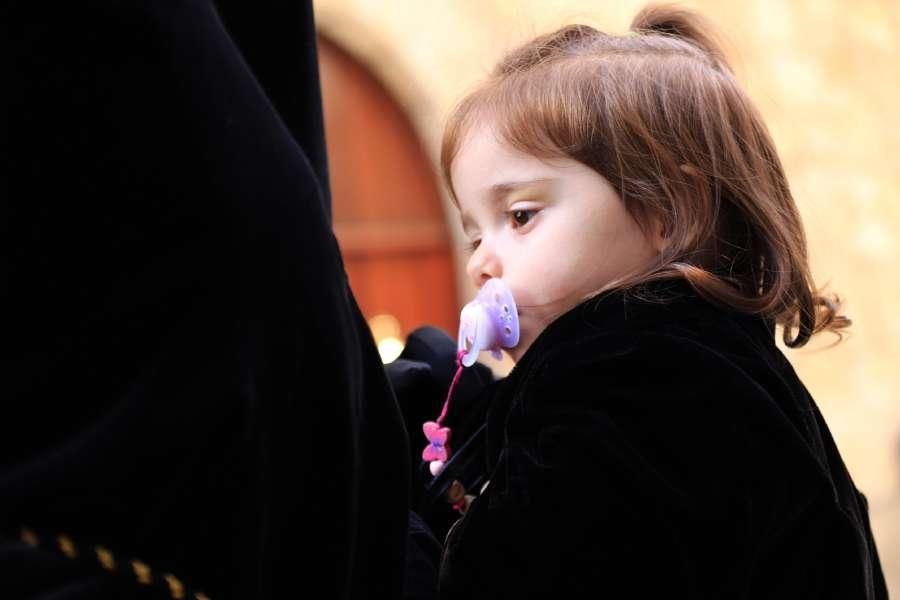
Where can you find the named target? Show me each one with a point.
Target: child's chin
(516, 352)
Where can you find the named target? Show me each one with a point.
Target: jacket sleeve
(817, 556)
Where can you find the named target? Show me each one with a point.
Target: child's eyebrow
(498, 190)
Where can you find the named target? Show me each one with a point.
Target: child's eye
(521, 217)
(470, 248)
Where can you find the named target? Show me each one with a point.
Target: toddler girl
(651, 441)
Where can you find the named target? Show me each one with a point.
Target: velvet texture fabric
(421, 379)
(187, 379)
(652, 445)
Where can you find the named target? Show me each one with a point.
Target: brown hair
(659, 114)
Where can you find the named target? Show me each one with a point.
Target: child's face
(554, 231)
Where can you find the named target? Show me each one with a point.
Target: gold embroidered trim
(66, 546)
(143, 574)
(175, 586)
(105, 558)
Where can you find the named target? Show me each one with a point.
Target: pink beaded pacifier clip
(489, 322)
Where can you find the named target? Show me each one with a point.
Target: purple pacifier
(489, 322)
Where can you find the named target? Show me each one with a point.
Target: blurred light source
(389, 349)
(387, 333)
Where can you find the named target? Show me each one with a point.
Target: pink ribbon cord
(459, 356)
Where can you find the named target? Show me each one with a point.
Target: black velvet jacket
(643, 449)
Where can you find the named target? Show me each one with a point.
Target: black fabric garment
(423, 556)
(644, 448)
(421, 379)
(187, 379)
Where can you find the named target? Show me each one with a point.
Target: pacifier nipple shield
(489, 322)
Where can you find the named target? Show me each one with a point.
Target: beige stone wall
(825, 75)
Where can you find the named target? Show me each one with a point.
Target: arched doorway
(387, 210)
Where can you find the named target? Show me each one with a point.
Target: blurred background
(824, 74)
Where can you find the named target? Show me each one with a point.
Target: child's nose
(483, 265)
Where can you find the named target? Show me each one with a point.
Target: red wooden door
(388, 216)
